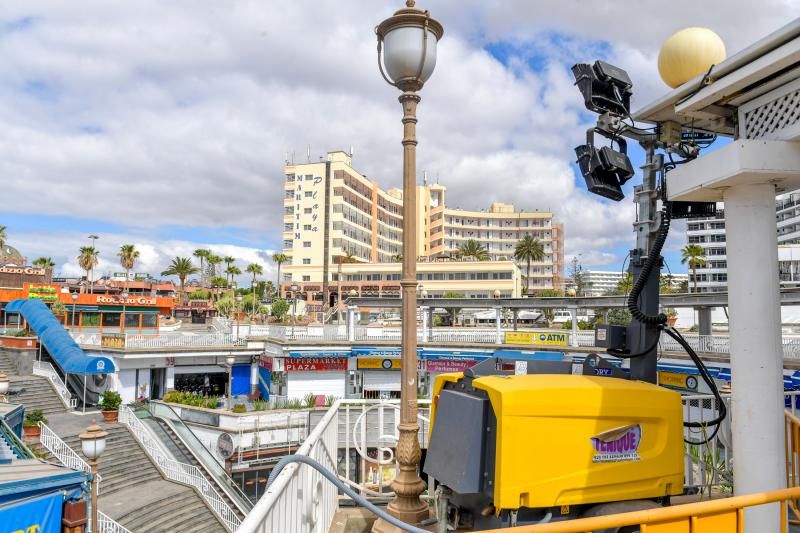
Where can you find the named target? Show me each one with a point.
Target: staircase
(34, 392)
(134, 494)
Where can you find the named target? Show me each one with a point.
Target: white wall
(127, 385)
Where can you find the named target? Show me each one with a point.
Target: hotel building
(333, 213)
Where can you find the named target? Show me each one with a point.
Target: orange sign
(131, 300)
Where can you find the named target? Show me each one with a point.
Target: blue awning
(60, 345)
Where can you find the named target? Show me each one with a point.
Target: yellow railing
(725, 515)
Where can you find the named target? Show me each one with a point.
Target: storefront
(380, 377)
(98, 313)
(318, 373)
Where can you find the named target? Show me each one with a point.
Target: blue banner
(34, 515)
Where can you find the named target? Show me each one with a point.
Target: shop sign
(378, 352)
(306, 355)
(112, 340)
(30, 271)
(46, 293)
(677, 380)
(134, 300)
(534, 337)
(316, 364)
(267, 363)
(449, 365)
(33, 515)
(379, 363)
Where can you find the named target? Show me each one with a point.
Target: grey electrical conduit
(330, 476)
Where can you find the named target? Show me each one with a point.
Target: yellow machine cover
(572, 439)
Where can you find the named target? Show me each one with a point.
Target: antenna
(425, 178)
(351, 150)
(308, 153)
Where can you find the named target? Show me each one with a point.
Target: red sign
(449, 365)
(316, 364)
(266, 363)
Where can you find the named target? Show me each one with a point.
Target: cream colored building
(332, 212)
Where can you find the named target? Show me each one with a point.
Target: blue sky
(173, 135)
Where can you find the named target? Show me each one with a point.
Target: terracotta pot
(672, 320)
(32, 432)
(110, 415)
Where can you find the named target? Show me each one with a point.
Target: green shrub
(110, 400)
(310, 400)
(260, 405)
(23, 333)
(33, 417)
(239, 408)
(211, 402)
(279, 309)
(330, 398)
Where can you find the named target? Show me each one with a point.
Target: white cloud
(148, 113)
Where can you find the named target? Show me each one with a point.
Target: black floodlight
(604, 169)
(605, 88)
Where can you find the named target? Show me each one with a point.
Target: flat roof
(32, 474)
(759, 68)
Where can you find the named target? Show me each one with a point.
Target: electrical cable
(654, 256)
(330, 476)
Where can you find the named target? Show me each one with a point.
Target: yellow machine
(514, 449)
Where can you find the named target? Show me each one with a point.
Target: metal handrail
(17, 446)
(45, 369)
(61, 451)
(179, 472)
(106, 524)
(675, 518)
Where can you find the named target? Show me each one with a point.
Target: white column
(351, 323)
(170, 378)
(574, 313)
(756, 351)
(498, 317)
(253, 376)
(424, 311)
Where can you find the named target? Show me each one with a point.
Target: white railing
(175, 340)
(106, 524)
(87, 339)
(45, 369)
(179, 472)
(259, 433)
(300, 500)
(61, 451)
(221, 324)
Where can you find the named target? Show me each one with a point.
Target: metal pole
(93, 464)
(84, 393)
(407, 485)
(230, 387)
(756, 348)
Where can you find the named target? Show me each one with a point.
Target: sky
(167, 124)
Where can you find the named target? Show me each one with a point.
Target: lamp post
(74, 296)
(93, 444)
(236, 310)
(229, 363)
(4, 383)
(294, 287)
(409, 40)
(124, 296)
(91, 271)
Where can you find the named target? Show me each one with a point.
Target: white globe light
(403, 53)
(689, 53)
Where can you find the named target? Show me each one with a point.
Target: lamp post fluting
(408, 39)
(93, 444)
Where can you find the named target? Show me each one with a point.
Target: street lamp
(294, 287)
(93, 444)
(4, 383)
(229, 360)
(74, 296)
(124, 296)
(408, 39)
(236, 310)
(91, 271)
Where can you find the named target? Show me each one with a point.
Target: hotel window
(715, 251)
(287, 227)
(307, 211)
(289, 211)
(309, 177)
(306, 244)
(289, 177)
(716, 225)
(306, 278)
(306, 261)
(694, 227)
(307, 227)
(717, 238)
(287, 244)
(693, 239)
(308, 194)
(298, 197)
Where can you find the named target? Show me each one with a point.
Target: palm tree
(202, 255)
(44, 262)
(625, 285)
(232, 271)
(279, 258)
(88, 260)
(128, 254)
(229, 261)
(256, 270)
(181, 267)
(396, 258)
(529, 249)
(3, 235)
(213, 261)
(694, 256)
(473, 248)
(348, 257)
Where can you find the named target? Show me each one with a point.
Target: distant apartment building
(333, 213)
(601, 282)
(709, 233)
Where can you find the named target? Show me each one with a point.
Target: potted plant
(110, 402)
(30, 426)
(672, 315)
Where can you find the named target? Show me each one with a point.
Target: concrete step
(116, 483)
(185, 512)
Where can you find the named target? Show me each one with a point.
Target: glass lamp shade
(403, 53)
(74, 296)
(497, 293)
(239, 298)
(353, 293)
(93, 441)
(424, 293)
(230, 360)
(124, 295)
(3, 384)
(295, 288)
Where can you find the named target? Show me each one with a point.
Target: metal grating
(772, 116)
